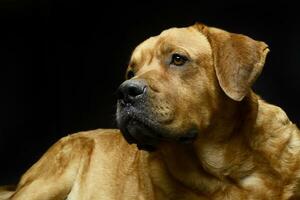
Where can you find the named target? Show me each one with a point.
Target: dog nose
(131, 90)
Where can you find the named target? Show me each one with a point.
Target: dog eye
(130, 74)
(178, 60)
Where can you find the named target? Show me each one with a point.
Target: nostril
(130, 91)
(135, 90)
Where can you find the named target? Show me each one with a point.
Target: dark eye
(178, 60)
(130, 74)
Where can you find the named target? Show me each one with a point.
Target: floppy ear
(238, 60)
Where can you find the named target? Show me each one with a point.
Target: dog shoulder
(279, 139)
(78, 146)
(271, 116)
(274, 128)
(104, 140)
(69, 158)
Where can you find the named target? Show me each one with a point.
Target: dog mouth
(139, 127)
(142, 132)
(147, 135)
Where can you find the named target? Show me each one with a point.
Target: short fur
(245, 149)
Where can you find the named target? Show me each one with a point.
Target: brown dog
(188, 102)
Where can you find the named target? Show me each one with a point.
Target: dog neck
(220, 154)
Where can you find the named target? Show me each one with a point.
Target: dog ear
(238, 60)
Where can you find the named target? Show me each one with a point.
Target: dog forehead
(190, 39)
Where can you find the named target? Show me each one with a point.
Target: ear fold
(238, 60)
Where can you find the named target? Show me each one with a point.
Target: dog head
(177, 80)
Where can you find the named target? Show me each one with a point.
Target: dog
(190, 127)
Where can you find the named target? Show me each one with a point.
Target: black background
(62, 61)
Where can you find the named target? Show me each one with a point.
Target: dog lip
(123, 103)
(189, 137)
(131, 114)
(140, 134)
(145, 123)
(139, 128)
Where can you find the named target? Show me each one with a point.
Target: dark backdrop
(62, 61)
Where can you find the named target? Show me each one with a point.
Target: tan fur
(246, 148)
